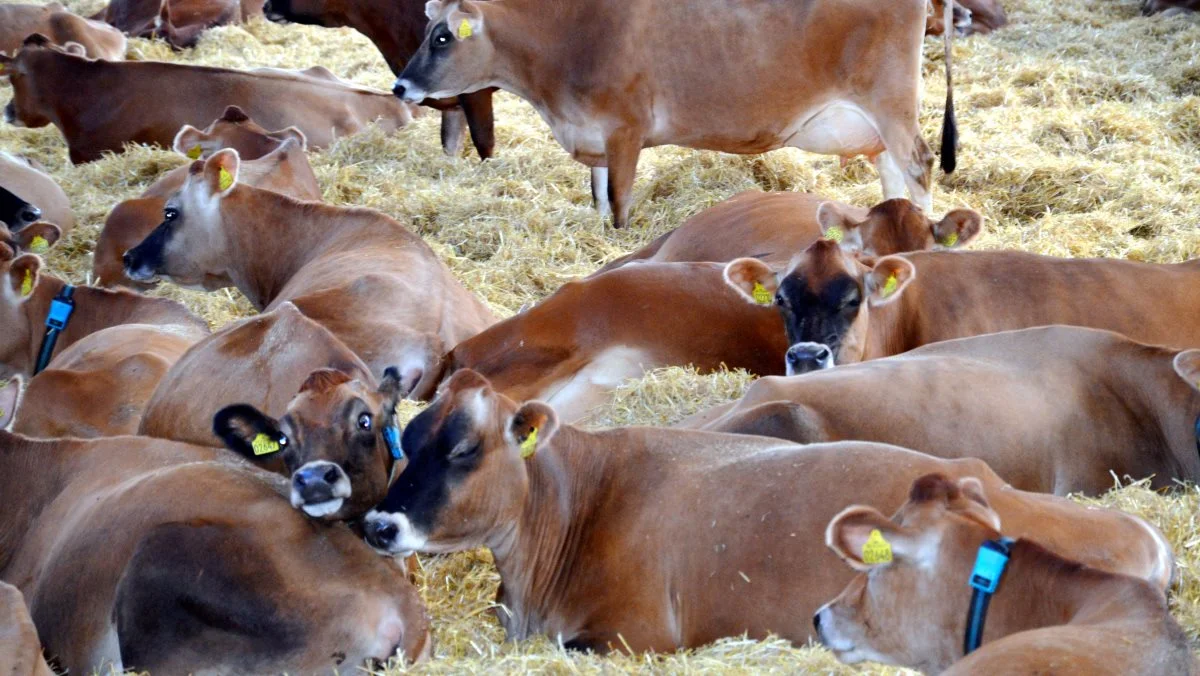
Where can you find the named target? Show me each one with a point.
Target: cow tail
(949, 124)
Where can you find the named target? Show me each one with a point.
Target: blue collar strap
(985, 577)
(1197, 436)
(56, 321)
(391, 436)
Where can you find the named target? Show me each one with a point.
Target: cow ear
(753, 280)
(466, 21)
(888, 279)
(865, 538)
(10, 395)
(1187, 365)
(532, 427)
(75, 48)
(432, 8)
(193, 143)
(974, 504)
(38, 237)
(397, 385)
(838, 226)
(293, 133)
(35, 40)
(23, 276)
(958, 228)
(221, 171)
(249, 432)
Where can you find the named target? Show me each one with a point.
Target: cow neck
(540, 556)
(527, 67)
(1041, 589)
(1163, 405)
(35, 464)
(72, 83)
(379, 21)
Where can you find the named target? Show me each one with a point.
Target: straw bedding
(1080, 129)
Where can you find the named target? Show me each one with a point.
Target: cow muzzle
(805, 357)
(392, 533)
(320, 488)
(407, 91)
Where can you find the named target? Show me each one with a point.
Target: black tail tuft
(949, 137)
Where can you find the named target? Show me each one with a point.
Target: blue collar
(1198, 436)
(985, 577)
(56, 321)
(391, 436)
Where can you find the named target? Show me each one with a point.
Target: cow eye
(170, 214)
(364, 421)
(441, 40)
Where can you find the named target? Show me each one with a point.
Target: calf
(651, 539)
(880, 307)
(20, 649)
(574, 347)
(824, 76)
(16, 213)
(338, 441)
(970, 17)
(85, 100)
(932, 574)
(20, 177)
(195, 563)
(339, 266)
(396, 29)
(276, 161)
(773, 226)
(1112, 406)
(95, 39)
(179, 22)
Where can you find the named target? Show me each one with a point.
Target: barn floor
(1080, 129)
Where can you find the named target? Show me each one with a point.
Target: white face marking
(407, 540)
(319, 509)
(340, 490)
(807, 352)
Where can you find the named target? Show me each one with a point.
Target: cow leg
(907, 163)
(453, 127)
(477, 108)
(621, 150)
(600, 191)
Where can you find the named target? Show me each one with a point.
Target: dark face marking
(15, 212)
(821, 314)
(422, 69)
(144, 262)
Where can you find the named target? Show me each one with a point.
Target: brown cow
(970, 17)
(275, 161)
(1056, 409)
(651, 539)
(20, 177)
(20, 649)
(828, 76)
(95, 39)
(773, 226)
(147, 555)
(875, 308)
(911, 604)
(574, 347)
(338, 441)
(36, 238)
(396, 29)
(179, 22)
(375, 285)
(83, 99)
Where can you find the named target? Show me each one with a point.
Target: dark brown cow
(85, 100)
(573, 348)
(651, 539)
(970, 17)
(20, 177)
(1169, 7)
(275, 161)
(147, 555)
(397, 29)
(1048, 615)
(20, 649)
(828, 76)
(773, 226)
(95, 39)
(1057, 409)
(875, 308)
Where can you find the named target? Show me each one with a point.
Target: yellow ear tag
(529, 446)
(761, 295)
(950, 240)
(889, 287)
(27, 283)
(38, 244)
(876, 549)
(835, 234)
(464, 30)
(264, 445)
(224, 179)
(195, 152)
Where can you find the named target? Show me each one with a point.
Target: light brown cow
(82, 98)
(376, 286)
(1048, 614)
(866, 309)
(36, 238)
(20, 649)
(1057, 409)
(573, 348)
(23, 179)
(275, 161)
(96, 40)
(970, 17)
(773, 226)
(829, 76)
(651, 539)
(179, 22)
(142, 554)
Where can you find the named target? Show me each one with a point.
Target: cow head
(455, 58)
(19, 275)
(27, 108)
(333, 440)
(234, 129)
(328, 13)
(908, 606)
(15, 212)
(466, 479)
(190, 246)
(897, 226)
(825, 297)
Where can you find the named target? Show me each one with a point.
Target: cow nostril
(384, 532)
(817, 622)
(823, 353)
(331, 475)
(299, 481)
(398, 90)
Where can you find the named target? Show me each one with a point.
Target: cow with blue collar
(337, 441)
(941, 590)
